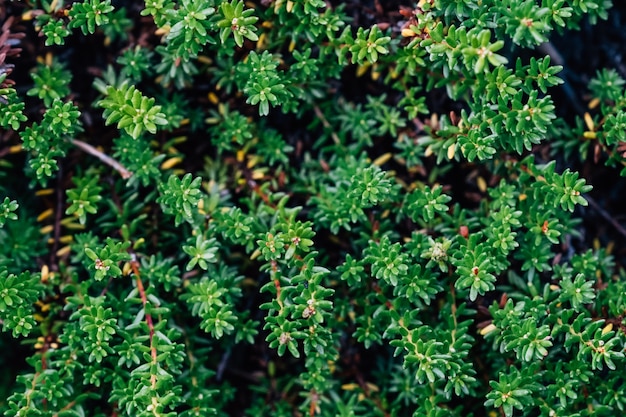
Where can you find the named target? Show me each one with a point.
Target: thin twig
(221, 367)
(134, 264)
(58, 214)
(104, 158)
(606, 216)
(548, 48)
(320, 115)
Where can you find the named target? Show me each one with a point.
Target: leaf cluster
(222, 220)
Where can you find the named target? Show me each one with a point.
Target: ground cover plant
(312, 208)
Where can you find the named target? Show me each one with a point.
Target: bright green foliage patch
(287, 207)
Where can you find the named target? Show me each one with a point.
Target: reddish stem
(144, 300)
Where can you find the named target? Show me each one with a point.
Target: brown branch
(65, 408)
(549, 49)
(58, 214)
(8, 42)
(134, 264)
(103, 157)
(606, 215)
(320, 115)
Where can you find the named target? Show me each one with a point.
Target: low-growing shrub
(305, 207)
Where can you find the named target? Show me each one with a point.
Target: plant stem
(103, 157)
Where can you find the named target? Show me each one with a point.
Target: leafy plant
(278, 208)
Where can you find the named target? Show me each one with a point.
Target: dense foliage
(304, 207)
